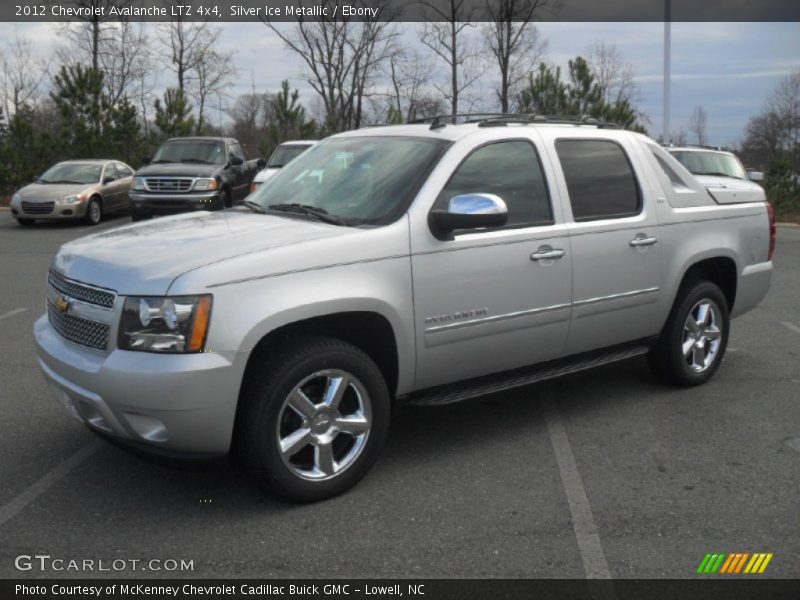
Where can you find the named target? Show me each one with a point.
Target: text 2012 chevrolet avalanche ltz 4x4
(411, 263)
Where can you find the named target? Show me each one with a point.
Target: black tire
(263, 407)
(94, 211)
(140, 216)
(668, 359)
(26, 222)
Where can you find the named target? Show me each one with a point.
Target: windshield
(283, 154)
(369, 180)
(72, 173)
(193, 151)
(710, 163)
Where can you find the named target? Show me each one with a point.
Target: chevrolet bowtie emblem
(61, 303)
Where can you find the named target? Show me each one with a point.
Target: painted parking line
(11, 313)
(792, 326)
(9, 510)
(594, 560)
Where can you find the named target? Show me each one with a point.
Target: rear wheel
(313, 422)
(94, 211)
(695, 337)
(25, 222)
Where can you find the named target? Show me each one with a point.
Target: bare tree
(87, 34)
(212, 74)
(697, 124)
(447, 36)
(613, 74)
(342, 57)
(513, 40)
(22, 74)
(124, 59)
(409, 94)
(187, 44)
(785, 103)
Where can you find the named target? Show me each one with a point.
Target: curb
(787, 224)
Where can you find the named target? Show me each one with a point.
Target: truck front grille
(169, 184)
(37, 208)
(81, 292)
(79, 330)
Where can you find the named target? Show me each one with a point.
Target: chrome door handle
(547, 253)
(643, 240)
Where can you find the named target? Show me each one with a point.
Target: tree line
(96, 94)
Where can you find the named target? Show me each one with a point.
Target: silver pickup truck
(424, 264)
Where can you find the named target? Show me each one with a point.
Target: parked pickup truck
(192, 173)
(412, 263)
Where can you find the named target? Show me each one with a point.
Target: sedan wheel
(94, 212)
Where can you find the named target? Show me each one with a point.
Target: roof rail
(500, 119)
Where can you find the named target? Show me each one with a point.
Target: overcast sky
(729, 68)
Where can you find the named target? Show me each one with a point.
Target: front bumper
(59, 212)
(146, 202)
(180, 404)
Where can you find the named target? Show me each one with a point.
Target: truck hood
(729, 190)
(178, 170)
(145, 258)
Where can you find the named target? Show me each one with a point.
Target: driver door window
(510, 170)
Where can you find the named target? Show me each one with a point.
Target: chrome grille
(81, 292)
(37, 208)
(79, 330)
(168, 184)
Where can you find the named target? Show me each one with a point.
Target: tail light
(773, 231)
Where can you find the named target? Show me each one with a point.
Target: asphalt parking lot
(609, 473)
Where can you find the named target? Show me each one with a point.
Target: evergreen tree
(174, 118)
(289, 120)
(124, 132)
(84, 109)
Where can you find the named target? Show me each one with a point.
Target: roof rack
(501, 119)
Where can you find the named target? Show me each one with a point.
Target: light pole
(667, 49)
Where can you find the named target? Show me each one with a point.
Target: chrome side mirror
(468, 211)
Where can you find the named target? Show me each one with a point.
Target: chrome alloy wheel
(323, 424)
(94, 212)
(702, 335)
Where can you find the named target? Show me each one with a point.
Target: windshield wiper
(196, 160)
(255, 207)
(160, 160)
(59, 181)
(306, 209)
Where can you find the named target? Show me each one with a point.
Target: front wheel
(695, 337)
(94, 211)
(313, 423)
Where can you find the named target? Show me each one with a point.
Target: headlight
(205, 184)
(138, 183)
(16, 199)
(156, 324)
(73, 199)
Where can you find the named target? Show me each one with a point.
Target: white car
(720, 172)
(284, 153)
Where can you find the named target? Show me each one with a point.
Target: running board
(500, 382)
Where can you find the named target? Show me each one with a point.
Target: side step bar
(491, 384)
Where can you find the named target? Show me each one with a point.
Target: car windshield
(358, 180)
(699, 162)
(283, 154)
(191, 151)
(72, 173)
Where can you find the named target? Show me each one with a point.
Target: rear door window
(600, 179)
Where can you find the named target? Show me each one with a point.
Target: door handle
(643, 240)
(547, 253)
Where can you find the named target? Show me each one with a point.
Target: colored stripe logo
(734, 563)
